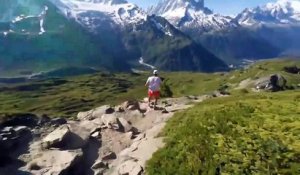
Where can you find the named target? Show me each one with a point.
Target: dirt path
(133, 159)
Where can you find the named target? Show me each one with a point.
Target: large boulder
(272, 83)
(56, 138)
(55, 162)
(110, 121)
(81, 132)
(78, 137)
(95, 113)
(124, 125)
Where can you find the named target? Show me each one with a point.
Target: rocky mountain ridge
(282, 12)
(191, 16)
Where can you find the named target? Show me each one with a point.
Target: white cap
(155, 72)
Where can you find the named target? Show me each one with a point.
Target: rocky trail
(105, 140)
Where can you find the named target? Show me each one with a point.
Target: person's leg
(149, 98)
(155, 103)
(157, 95)
(149, 101)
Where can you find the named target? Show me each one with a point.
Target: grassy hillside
(249, 134)
(65, 97)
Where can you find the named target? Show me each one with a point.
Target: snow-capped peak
(94, 13)
(279, 12)
(190, 15)
(168, 6)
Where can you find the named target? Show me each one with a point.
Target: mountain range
(116, 35)
(254, 33)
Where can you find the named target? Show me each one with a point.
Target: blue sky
(227, 7)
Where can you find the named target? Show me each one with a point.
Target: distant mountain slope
(222, 35)
(239, 43)
(63, 43)
(277, 22)
(96, 34)
(163, 46)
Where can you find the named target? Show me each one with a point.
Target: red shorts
(153, 94)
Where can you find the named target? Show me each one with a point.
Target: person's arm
(147, 82)
(161, 80)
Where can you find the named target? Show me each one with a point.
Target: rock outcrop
(272, 83)
(56, 138)
(55, 162)
(104, 140)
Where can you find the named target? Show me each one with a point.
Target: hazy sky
(227, 7)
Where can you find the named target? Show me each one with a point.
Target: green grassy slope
(249, 134)
(66, 97)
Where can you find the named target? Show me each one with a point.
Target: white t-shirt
(154, 83)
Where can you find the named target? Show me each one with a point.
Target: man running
(153, 84)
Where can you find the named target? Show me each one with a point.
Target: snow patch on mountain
(280, 12)
(92, 12)
(14, 25)
(162, 28)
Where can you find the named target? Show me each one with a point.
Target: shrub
(166, 90)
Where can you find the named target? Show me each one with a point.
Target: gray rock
(44, 120)
(95, 113)
(131, 105)
(110, 121)
(7, 129)
(98, 112)
(79, 135)
(55, 162)
(119, 109)
(55, 138)
(124, 125)
(109, 156)
(96, 134)
(85, 115)
(21, 129)
(99, 165)
(129, 135)
(130, 167)
(273, 83)
(99, 171)
(165, 111)
(58, 121)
